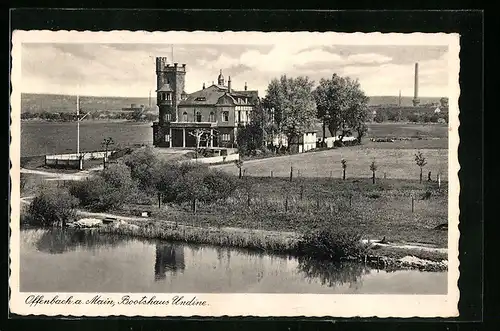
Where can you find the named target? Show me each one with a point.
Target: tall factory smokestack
(416, 101)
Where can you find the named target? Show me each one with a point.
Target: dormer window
(211, 118)
(201, 99)
(198, 116)
(184, 117)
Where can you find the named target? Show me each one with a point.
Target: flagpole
(78, 125)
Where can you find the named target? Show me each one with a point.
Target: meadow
(377, 211)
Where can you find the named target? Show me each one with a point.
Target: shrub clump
(51, 208)
(330, 244)
(107, 190)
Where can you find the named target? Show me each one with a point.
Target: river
(40, 138)
(65, 260)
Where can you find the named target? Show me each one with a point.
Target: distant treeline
(37, 103)
(98, 115)
(410, 114)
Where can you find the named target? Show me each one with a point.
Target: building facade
(210, 116)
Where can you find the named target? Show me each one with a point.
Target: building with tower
(217, 110)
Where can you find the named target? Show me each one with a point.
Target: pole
(78, 125)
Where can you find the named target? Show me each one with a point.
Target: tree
(293, 106)
(342, 105)
(373, 168)
(239, 164)
(52, 207)
(344, 166)
(143, 164)
(201, 135)
(250, 138)
(421, 162)
(107, 190)
(105, 143)
(444, 102)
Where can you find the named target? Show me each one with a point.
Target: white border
(313, 305)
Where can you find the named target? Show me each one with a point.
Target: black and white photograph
(234, 173)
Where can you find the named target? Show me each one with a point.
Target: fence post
(350, 200)
(291, 173)
(271, 174)
(412, 204)
(301, 192)
(159, 200)
(439, 180)
(286, 203)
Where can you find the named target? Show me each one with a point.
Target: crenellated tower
(170, 82)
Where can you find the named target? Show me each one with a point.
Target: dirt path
(60, 175)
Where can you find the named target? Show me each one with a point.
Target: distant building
(135, 107)
(219, 110)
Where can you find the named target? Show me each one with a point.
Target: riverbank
(379, 255)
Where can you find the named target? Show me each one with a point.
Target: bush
(51, 207)
(220, 185)
(110, 189)
(143, 164)
(379, 117)
(333, 245)
(413, 118)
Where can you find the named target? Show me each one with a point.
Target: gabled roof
(212, 94)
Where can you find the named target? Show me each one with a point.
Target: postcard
(211, 174)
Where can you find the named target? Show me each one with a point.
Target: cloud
(128, 69)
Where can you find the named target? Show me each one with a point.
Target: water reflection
(169, 257)
(58, 241)
(333, 274)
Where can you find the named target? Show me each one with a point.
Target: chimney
(229, 84)
(415, 96)
(203, 85)
(246, 86)
(176, 64)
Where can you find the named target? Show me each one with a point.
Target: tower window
(198, 116)
(225, 116)
(184, 117)
(211, 118)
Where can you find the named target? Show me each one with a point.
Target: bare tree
(201, 135)
(373, 168)
(106, 142)
(344, 166)
(421, 162)
(239, 164)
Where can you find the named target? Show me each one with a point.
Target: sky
(128, 70)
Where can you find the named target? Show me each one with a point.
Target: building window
(226, 137)
(162, 96)
(211, 117)
(201, 99)
(169, 96)
(225, 116)
(168, 117)
(184, 117)
(239, 116)
(167, 138)
(198, 116)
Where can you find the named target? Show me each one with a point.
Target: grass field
(376, 211)
(395, 163)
